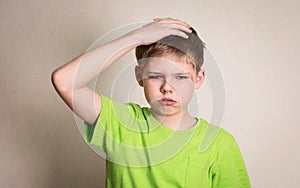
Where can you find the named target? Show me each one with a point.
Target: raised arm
(70, 79)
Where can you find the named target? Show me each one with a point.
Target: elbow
(55, 79)
(58, 81)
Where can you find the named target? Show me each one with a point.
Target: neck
(179, 122)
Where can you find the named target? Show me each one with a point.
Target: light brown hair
(192, 47)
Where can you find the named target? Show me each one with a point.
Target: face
(169, 83)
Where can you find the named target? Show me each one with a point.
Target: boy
(157, 146)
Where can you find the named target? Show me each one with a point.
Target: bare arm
(70, 79)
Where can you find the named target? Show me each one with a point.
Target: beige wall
(255, 43)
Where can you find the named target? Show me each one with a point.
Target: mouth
(167, 102)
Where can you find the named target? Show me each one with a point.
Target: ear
(138, 75)
(200, 78)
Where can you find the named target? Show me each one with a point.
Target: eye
(155, 77)
(181, 77)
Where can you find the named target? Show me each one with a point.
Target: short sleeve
(230, 170)
(94, 133)
(112, 125)
(104, 132)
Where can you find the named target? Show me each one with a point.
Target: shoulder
(111, 107)
(107, 102)
(216, 137)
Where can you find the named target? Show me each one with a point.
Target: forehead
(169, 63)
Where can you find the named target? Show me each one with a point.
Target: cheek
(149, 84)
(149, 87)
(183, 85)
(185, 90)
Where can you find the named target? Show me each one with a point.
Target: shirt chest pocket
(197, 173)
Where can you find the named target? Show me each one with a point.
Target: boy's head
(169, 71)
(192, 48)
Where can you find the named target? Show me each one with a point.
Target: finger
(156, 19)
(179, 27)
(179, 21)
(179, 33)
(172, 20)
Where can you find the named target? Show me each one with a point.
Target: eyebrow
(183, 73)
(153, 73)
(179, 73)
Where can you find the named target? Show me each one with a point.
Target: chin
(167, 111)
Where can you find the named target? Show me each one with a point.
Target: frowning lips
(167, 101)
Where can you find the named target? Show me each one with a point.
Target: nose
(166, 87)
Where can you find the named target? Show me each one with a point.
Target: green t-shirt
(140, 152)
